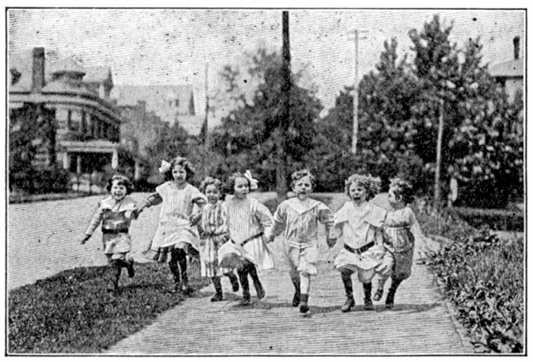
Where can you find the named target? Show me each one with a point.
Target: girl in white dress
(358, 222)
(180, 208)
(249, 226)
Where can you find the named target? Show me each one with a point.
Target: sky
(176, 46)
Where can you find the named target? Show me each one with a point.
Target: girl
(358, 222)
(214, 230)
(175, 230)
(115, 213)
(248, 222)
(298, 219)
(398, 238)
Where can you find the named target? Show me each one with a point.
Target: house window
(83, 122)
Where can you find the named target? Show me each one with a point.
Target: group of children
(231, 234)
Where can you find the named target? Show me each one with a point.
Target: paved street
(44, 239)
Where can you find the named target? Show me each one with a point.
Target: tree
(248, 100)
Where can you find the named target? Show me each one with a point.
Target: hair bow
(253, 181)
(165, 166)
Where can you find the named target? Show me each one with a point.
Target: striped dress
(298, 221)
(174, 228)
(214, 232)
(249, 225)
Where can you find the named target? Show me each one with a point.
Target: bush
(34, 181)
(484, 278)
(504, 220)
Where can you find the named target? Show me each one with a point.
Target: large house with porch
(76, 101)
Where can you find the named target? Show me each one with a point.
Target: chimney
(516, 43)
(37, 76)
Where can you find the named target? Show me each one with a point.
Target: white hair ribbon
(253, 182)
(165, 166)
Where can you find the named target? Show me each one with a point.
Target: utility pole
(205, 126)
(281, 173)
(356, 90)
(439, 152)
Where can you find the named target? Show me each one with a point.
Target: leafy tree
(249, 101)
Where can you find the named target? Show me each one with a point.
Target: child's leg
(243, 278)
(305, 279)
(114, 274)
(234, 281)
(395, 283)
(175, 270)
(365, 277)
(257, 283)
(384, 271)
(295, 277)
(218, 288)
(346, 275)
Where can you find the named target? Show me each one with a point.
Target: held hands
(84, 240)
(331, 241)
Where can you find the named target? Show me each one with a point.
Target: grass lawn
(72, 312)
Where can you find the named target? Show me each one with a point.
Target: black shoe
(348, 305)
(260, 292)
(217, 297)
(245, 301)
(368, 304)
(296, 299)
(389, 302)
(378, 294)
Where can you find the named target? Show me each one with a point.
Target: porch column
(66, 161)
(78, 164)
(114, 160)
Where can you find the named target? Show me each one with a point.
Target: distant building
(172, 103)
(76, 101)
(510, 74)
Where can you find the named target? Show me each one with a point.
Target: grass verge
(72, 313)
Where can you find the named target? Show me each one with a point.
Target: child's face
(118, 192)
(241, 187)
(179, 174)
(212, 193)
(302, 187)
(358, 193)
(394, 199)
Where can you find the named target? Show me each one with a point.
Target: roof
(22, 63)
(66, 65)
(97, 74)
(167, 101)
(511, 68)
(192, 124)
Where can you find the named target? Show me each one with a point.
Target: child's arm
(265, 219)
(93, 224)
(279, 222)
(326, 217)
(152, 200)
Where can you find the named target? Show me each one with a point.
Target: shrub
(496, 219)
(484, 278)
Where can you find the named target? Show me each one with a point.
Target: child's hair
(230, 184)
(371, 184)
(179, 161)
(213, 181)
(297, 175)
(403, 189)
(121, 180)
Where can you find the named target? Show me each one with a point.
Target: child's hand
(135, 213)
(270, 239)
(84, 240)
(331, 241)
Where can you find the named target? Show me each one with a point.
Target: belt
(249, 239)
(119, 231)
(361, 250)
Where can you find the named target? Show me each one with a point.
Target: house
(172, 103)
(510, 74)
(85, 121)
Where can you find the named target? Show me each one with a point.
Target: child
(214, 230)
(398, 238)
(358, 221)
(175, 230)
(115, 213)
(298, 219)
(248, 222)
